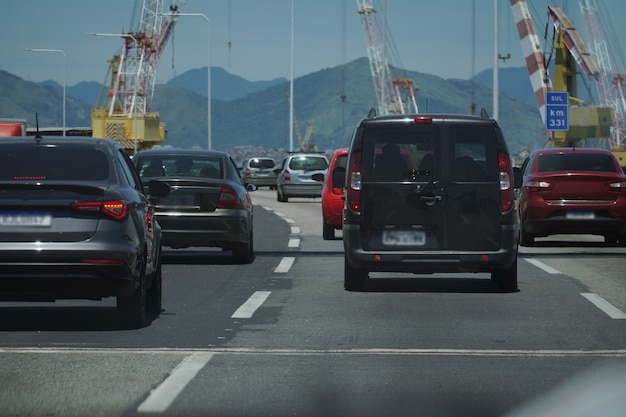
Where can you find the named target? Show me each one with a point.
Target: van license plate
(404, 238)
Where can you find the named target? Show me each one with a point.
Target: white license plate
(37, 219)
(404, 237)
(580, 215)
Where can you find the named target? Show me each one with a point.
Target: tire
(132, 310)
(353, 278)
(526, 239)
(328, 231)
(243, 252)
(506, 279)
(280, 197)
(155, 293)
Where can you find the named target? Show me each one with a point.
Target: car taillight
(354, 182)
(423, 120)
(228, 199)
(619, 187)
(114, 209)
(506, 188)
(286, 175)
(247, 171)
(537, 186)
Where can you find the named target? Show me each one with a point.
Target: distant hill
(257, 118)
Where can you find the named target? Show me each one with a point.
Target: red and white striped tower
(535, 62)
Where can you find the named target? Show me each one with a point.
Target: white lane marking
(164, 395)
(288, 220)
(293, 243)
(317, 352)
(543, 266)
(284, 265)
(247, 309)
(608, 308)
(295, 230)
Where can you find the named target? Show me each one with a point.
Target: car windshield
(308, 163)
(181, 165)
(54, 163)
(576, 162)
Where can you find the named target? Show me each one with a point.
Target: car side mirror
(318, 177)
(517, 177)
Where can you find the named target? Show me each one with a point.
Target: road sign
(557, 110)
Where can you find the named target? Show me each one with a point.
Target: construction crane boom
(126, 116)
(386, 89)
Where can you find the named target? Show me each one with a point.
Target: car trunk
(44, 212)
(200, 196)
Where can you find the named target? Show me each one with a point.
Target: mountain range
(253, 116)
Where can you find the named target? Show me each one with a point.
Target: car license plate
(404, 237)
(37, 219)
(580, 215)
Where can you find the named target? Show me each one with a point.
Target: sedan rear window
(53, 163)
(576, 162)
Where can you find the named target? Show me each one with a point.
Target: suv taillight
(354, 182)
(506, 186)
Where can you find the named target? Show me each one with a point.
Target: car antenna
(372, 113)
(484, 114)
(38, 137)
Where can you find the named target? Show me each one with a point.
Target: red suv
(573, 191)
(332, 193)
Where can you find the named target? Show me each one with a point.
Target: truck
(12, 127)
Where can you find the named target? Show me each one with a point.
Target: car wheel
(328, 230)
(243, 252)
(155, 293)
(132, 310)
(281, 197)
(506, 279)
(526, 239)
(353, 278)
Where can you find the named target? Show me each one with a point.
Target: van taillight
(354, 182)
(506, 188)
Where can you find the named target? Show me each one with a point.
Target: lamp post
(129, 36)
(208, 68)
(59, 51)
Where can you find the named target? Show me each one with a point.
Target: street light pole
(59, 51)
(208, 68)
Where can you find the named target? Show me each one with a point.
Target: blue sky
(431, 36)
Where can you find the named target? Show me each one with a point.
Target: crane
(387, 89)
(305, 142)
(609, 83)
(125, 116)
(585, 121)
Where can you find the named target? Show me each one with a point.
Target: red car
(332, 194)
(573, 191)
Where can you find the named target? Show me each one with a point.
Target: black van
(430, 193)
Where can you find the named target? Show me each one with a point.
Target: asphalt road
(280, 336)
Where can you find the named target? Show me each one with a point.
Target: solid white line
(284, 265)
(247, 309)
(293, 243)
(612, 311)
(543, 266)
(295, 230)
(164, 395)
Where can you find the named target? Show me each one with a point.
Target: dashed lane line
(164, 395)
(608, 308)
(543, 266)
(247, 309)
(285, 265)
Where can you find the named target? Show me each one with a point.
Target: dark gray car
(76, 224)
(428, 194)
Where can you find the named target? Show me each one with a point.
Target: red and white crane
(386, 88)
(133, 75)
